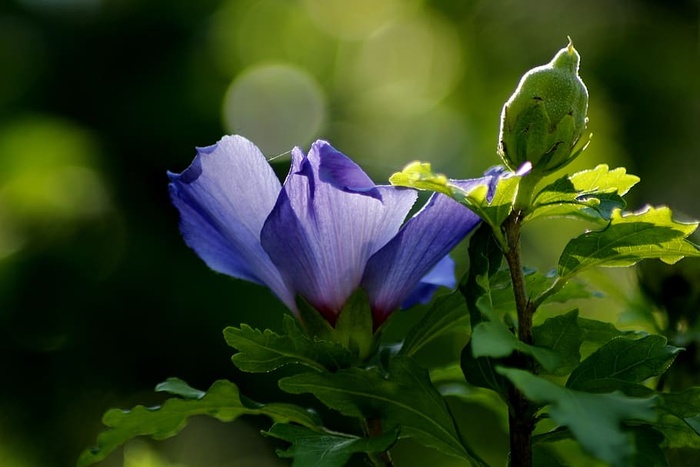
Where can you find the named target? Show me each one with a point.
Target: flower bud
(545, 117)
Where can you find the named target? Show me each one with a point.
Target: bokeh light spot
(47, 173)
(409, 65)
(277, 106)
(358, 21)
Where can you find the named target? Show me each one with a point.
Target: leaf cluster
(607, 401)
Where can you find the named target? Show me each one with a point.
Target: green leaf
(222, 401)
(680, 418)
(481, 371)
(312, 321)
(562, 335)
(503, 299)
(354, 328)
(448, 314)
(595, 420)
(589, 194)
(494, 211)
(647, 451)
(419, 175)
(312, 448)
(623, 363)
(485, 258)
(629, 238)
(264, 351)
(493, 339)
(449, 381)
(598, 332)
(404, 399)
(178, 387)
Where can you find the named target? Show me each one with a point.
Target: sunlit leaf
(492, 209)
(222, 401)
(404, 398)
(629, 238)
(312, 448)
(420, 175)
(595, 420)
(590, 194)
(622, 363)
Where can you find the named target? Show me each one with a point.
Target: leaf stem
(521, 412)
(558, 284)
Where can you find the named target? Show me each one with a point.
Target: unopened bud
(546, 116)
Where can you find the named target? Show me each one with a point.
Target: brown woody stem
(521, 413)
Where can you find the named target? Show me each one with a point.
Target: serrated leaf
(312, 448)
(448, 314)
(404, 399)
(265, 351)
(562, 335)
(590, 194)
(596, 208)
(222, 401)
(595, 420)
(628, 239)
(623, 363)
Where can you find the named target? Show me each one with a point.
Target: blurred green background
(100, 299)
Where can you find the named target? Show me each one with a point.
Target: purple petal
(442, 275)
(320, 237)
(343, 173)
(224, 197)
(395, 270)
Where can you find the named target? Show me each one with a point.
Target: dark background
(100, 299)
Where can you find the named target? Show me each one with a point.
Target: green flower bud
(546, 116)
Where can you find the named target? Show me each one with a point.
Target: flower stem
(374, 428)
(521, 412)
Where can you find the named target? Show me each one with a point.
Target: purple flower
(327, 231)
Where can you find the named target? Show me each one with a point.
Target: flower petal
(442, 275)
(396, 269)
(344, 174)
(320, 235)
(224, 197)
